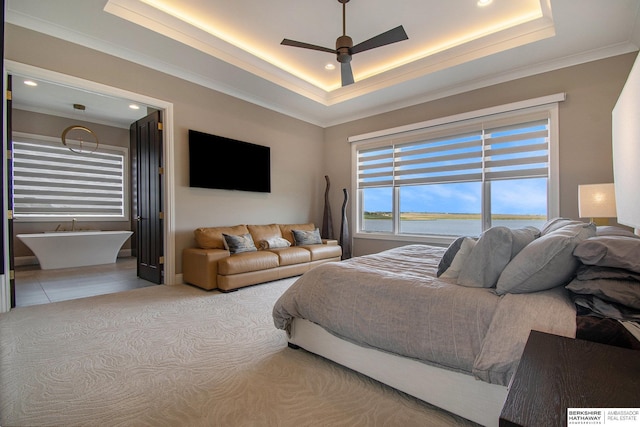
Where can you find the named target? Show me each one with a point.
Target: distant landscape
(426, 216)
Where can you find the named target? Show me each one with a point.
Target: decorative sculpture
(327, 222)
(345, 239)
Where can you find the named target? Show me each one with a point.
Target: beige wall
(296, 147)
(585, 126)
(52, 126)
(303, 153)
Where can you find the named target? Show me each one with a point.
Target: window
(52, 182)
(458, 177)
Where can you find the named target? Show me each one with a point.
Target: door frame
(17, 68)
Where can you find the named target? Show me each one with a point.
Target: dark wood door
(147, 171)
(9, 208)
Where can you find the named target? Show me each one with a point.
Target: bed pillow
(610, 251)
(522, 237)
(449, 255)
(612, 230)
(593, 272)
(239, 244)
(305, 237)
(462, 248)
(487, 259)
(546, 262)
(491, 254)
(625, 292)
(556, 224)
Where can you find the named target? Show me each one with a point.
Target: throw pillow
(304, 237)
(274, 243)
(286, 230)
(610, 251)
(455, 265)
(546, 262)
(237, 244)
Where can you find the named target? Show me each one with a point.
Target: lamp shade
(597, 201)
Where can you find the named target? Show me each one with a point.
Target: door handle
(138, 218)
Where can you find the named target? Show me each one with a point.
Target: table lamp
(597, 202)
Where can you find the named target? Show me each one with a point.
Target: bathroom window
(52, 182)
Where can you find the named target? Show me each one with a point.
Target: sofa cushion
(292, 255)
(211, 237)
(263, 232)
(247, 261)
(319, 252)
(287, 233)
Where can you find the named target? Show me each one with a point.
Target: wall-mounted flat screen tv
(228, 164)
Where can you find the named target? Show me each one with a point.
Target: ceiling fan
(345, 48)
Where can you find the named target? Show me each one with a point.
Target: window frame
(104, 148)
(548, 104)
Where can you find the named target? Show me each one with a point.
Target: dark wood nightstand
(557, 373)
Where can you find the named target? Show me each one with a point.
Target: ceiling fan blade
(346, 73)
(294, 43)
(392, 36)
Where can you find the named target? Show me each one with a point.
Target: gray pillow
(546, 262)
(625, 292)
(556, 224)
(487, 259)
(304, 237)
(238, 244)
(592, 272)
(612, 230)
(491, 254)
(610, 251)
(522, 237)
(449, 255)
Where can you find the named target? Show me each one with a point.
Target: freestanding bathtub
(63, 249)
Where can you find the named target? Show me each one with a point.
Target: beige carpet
(180, 356)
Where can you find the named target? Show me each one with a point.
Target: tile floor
(36, 286)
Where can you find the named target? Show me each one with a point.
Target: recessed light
(483, 3)
(330, 67)
(134, 107)
(30, 83)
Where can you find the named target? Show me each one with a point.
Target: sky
(521, 196)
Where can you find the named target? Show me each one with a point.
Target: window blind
(49, 180)
(489, 152)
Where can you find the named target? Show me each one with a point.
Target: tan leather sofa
(212, 266)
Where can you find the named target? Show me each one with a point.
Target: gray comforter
(393, 301)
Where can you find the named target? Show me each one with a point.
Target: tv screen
(228, 164)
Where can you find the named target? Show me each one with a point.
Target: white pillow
(274, 242)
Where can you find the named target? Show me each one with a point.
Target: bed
(447, 325)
